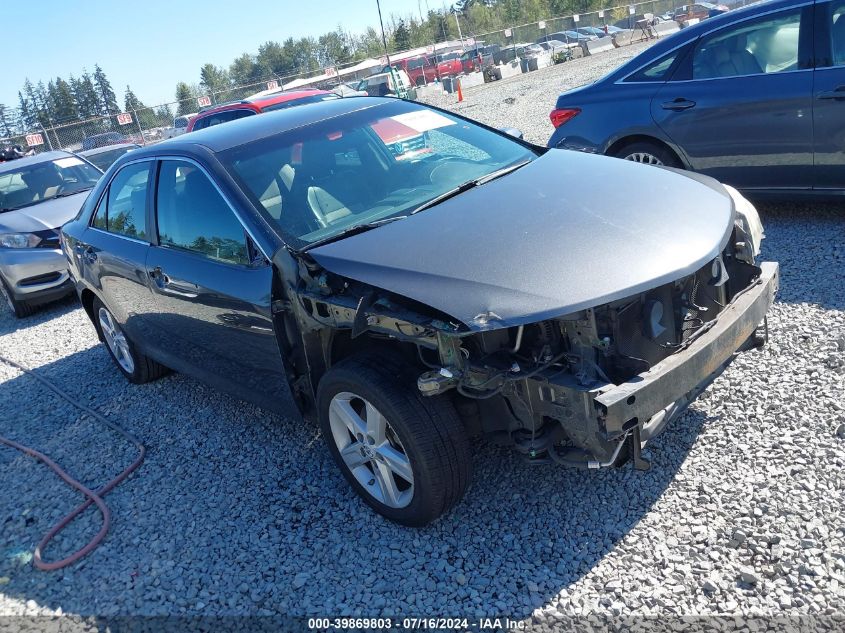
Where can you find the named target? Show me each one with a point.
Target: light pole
(386, 54)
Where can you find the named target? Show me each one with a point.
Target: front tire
(21, 309)
(406, 455)
(648, 154)
(135, 366)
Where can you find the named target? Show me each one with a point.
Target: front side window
(762, 46)
(123, 210)
(193, 216)
(837, 33)
(46, 180)
(369, 165)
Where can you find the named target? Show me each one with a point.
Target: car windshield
(104, 160)
(371, 165)
(46, 180)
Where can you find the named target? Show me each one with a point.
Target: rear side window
(221, 117)
(657, 70)
(766, 45)
(123, 210)
(193, 216)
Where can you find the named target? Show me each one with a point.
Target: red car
(248, 107)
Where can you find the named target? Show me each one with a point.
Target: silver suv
(37, 195)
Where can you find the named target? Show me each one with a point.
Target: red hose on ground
(93, 497)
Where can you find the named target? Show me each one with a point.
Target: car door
(112, 251)
(212, 288)
(740, 106)
(829, 93)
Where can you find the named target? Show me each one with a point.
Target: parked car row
(372, 256)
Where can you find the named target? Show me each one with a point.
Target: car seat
(325, 185)
(732, 58)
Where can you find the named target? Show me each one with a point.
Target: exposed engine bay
(551, 389)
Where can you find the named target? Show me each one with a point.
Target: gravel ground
(237, 511)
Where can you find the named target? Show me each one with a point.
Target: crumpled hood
(566, 232)
(49, 214)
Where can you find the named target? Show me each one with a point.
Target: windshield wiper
(65, 194)
(352, 230)
(469, 184)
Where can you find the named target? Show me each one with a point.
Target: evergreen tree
(244, 70)
(5, 124)
(41, 99)
(27, 115)
(213, 79)
(333, 48)
(186, 99)
(163, 115)
(401, 37)
(106, 99)
(131, 102)
(85, 93)
(63, 103)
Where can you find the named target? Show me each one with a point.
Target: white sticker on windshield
(70, 161)
(423, 120)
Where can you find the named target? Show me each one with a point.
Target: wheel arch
(86, 297)
(630, 139)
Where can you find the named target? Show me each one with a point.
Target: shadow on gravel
(46, 312)
(808, 239)
(237, 511)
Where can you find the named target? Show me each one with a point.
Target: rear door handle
(837, 94)
(678, 104)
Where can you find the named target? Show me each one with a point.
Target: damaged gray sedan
(415, 279)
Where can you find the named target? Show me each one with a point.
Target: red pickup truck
(421, 70)
(449, 64)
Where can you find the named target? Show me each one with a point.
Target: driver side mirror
(512, 131)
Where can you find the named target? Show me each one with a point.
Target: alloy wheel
(644, 158)
(371, 449)
(116, 341)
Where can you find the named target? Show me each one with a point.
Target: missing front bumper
(678, 379)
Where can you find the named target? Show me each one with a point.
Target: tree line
(87, 98)
(91, 95)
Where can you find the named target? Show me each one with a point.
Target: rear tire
(21, 309)
(648, 154)
(135, 366)
(423, 454)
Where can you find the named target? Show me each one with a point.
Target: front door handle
(170, 286)
(838, 94)
(678, 104)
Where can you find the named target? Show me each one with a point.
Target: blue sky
(153, 44)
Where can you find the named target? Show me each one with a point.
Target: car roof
(265, 101)
(43, 157)
(219, 138)
(106, 148)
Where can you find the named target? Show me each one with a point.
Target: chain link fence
(156, 123)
